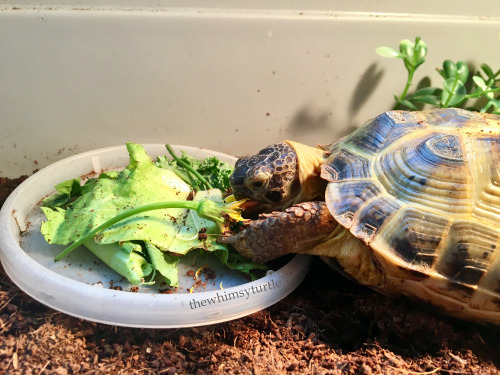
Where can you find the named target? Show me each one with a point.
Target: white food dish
(80, 284)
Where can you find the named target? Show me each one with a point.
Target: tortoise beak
(248, 207)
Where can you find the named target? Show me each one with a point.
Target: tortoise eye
(257, 184)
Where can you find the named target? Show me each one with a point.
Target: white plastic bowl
(80, 285)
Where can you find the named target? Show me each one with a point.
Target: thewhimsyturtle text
(224, 296)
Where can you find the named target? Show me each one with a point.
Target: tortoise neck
(351, 257)
(309, 161)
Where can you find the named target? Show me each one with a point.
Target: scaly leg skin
(298, 229)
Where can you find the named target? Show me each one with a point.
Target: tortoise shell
(422, 189)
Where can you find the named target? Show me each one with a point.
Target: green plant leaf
(454, 92)
(66, 191)
(462, 71)
(388, 52)
(406, 48)
(427, 95)
(449, 69)
(427, 99)
(124, 259)
(479, 81)
(164, 263)
(406, 103)
(488, 71)
(495, 102)
(427, 91)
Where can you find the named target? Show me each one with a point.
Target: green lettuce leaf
(145, 246)
(139, 184)
(125, 259)
(66, 191)
(165, 264)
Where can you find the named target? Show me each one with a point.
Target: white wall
(223, 75)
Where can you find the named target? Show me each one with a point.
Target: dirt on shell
(327, 326)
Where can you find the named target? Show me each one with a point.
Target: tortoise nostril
(237, 181)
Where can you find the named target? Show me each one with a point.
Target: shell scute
(414, 173)
(383, 131)
(348, 197)
(347, 165)
(369, 220)
(488, 201)
(447, 146)
(467, 254)
(449, 117)
(415, 237)
(427, 201)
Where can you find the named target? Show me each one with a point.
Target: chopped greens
(214, 173)
(141, 220)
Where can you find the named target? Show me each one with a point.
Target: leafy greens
(147, 245)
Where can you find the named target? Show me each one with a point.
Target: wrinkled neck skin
(309, 164)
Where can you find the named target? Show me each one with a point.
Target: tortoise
(407, 204)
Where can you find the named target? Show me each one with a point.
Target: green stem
(481, 93)
(134, 211)
(409, 80)
(188, 168)
(452, 93)
(486, 107)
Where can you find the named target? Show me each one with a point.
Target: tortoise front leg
(298, 229)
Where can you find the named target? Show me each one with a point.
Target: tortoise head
(269, 177)
(274, 177)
